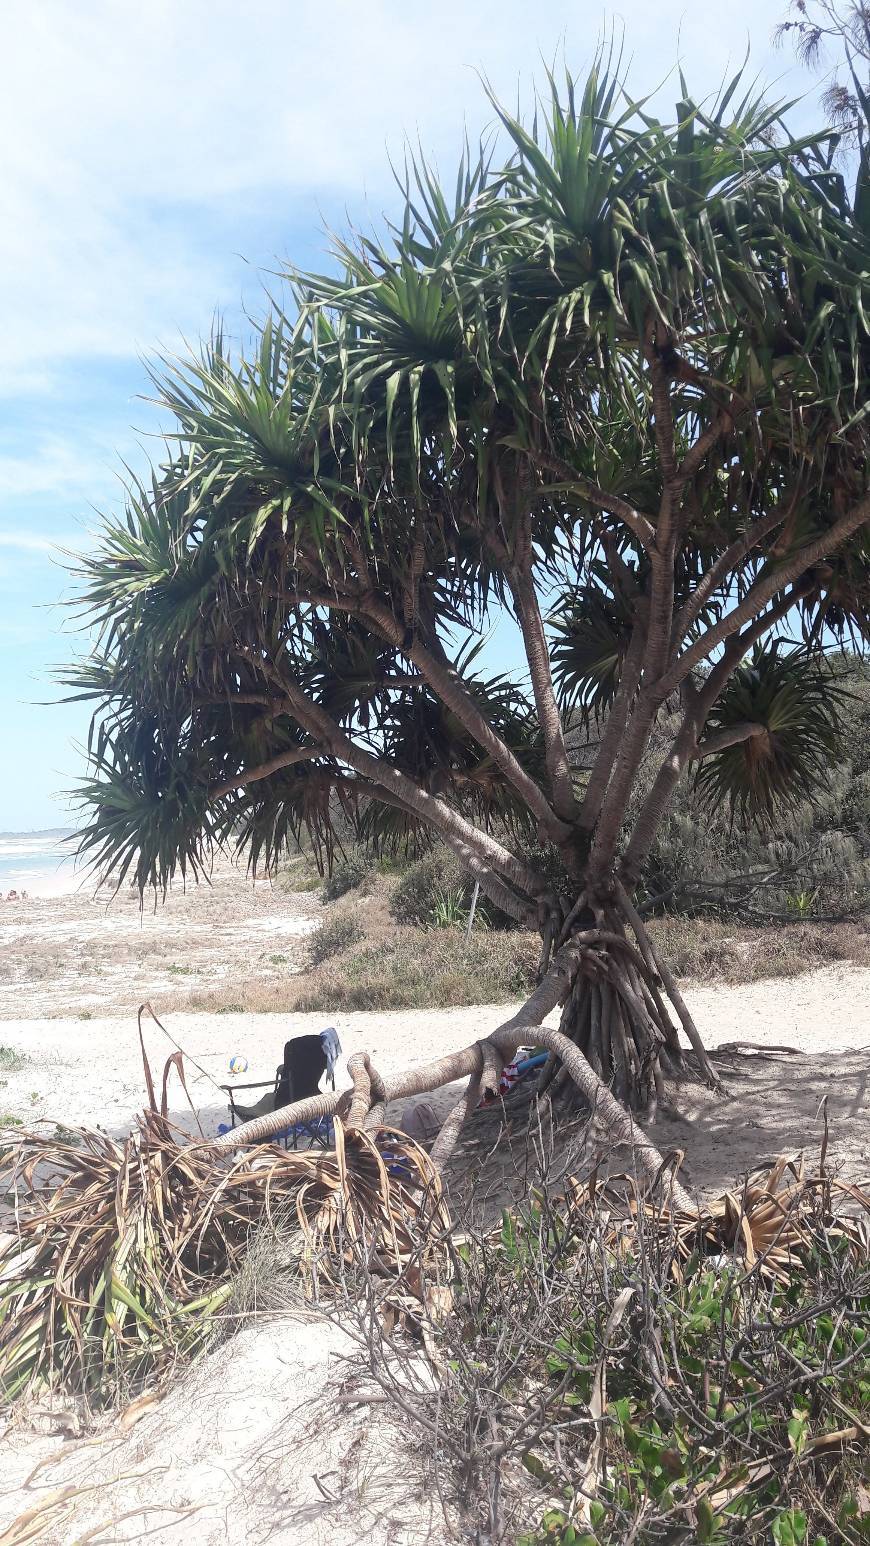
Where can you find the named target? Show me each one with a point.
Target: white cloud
(56, 466)
(27, 542)
(124, 129)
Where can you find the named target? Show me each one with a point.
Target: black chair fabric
(301, 1071)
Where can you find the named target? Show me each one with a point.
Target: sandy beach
(76, 967)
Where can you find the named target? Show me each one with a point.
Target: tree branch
(763, 591)
(498, 893)
(447, 685)
(685, 744)
(549, 718)
(617, 720)
(725, 565)
(725, 738)
(428, 808)
(637, 523)
(663, 418)
(263, 770)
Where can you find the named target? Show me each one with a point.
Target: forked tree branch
(446, 682)
(263, 770)
(724, 566)
(447, 685)
(426, 807)
(684, 747)
(638, 524)
(762, 592)
(617, 719)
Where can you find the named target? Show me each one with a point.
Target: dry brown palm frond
(768, 1226)
(123, 1253)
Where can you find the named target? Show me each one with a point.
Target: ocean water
(40, 863)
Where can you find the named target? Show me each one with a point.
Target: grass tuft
(12, 1061)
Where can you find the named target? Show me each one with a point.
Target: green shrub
(415, 896)
(414, 970)
(333, 936)
(348, 871)
(436, 892)
(659, 1384)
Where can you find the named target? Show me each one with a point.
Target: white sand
(89, 1072)
(258, 1443)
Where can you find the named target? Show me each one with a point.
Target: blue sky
(156, 161)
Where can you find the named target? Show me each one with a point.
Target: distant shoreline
(33, 832)
(42, 863)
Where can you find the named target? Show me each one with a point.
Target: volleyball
(238, 1065)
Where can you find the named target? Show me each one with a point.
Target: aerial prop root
(617, 1010)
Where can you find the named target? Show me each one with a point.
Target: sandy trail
(90, 1073)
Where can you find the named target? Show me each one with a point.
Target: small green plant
(8, 1120)
(802, 903)
(277, 960)
(299, 878)
(66, 1135)
(180, 971)
(415, 898)
(448, 910)
(11, 1060)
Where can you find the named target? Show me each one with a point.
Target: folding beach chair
(306, 1060)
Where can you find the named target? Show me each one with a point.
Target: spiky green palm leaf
(798, 706)
(591, 632)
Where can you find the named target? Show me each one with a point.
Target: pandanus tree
(614, 386)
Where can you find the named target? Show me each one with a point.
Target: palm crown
(619, 377)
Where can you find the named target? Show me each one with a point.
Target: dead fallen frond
(122, 1254)
(770, 1225)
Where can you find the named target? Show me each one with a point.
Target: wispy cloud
(140, 146)
(26, 542)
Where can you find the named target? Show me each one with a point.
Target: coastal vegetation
(611, 391)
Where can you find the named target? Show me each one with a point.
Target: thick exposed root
(617, 1010)
(481, 1062)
